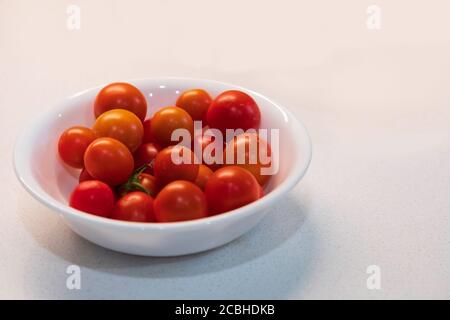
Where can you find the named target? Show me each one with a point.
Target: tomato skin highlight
(72, 144)
(196, 102)
(121, 95)
(204, 173)
(121, 125)
(180, 201)
(94, 197)
(109, 160)
(233, 109)
(253, 146)
(230, 188)
(165, 170)
(145, 154)
(167, 120)
(135, 206)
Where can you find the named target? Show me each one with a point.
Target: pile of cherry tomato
(127, 172)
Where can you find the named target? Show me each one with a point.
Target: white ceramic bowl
(42, 173)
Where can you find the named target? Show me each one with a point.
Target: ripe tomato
(135, 206)
(73, 143)
(145, 154)
(167, 120)
(196, 102)
(147, 131)
(211, 152)
(149, 183)
(233, 110)
(251, 152)
(204, 173)
(84, 176)
(166, 170)
(93, 197)
(121, 125)
(180, 201)
(121, 95)
(109, 160)
(230, 188)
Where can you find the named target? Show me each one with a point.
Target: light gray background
(377, 105)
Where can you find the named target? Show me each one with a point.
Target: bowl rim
(293, 178)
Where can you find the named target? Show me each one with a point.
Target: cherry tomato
(93, 197)
(166, 170)
(145, 154)
(73, 143)
(84, 176)
(251, 152)
(204, 173)
(135, 206)
(149, 183)
(180, 201)
(167, 120)
(109, 160)
(210, 151)
(230, 188)
(147, 131)
(121, 95)
(233, 110)
(121, 125)
(196, 102)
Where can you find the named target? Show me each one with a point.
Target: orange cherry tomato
(196, 102)
(121, 125)
(204, 173)
(252, 153)
(73, 143)
(109, 160)
(180, 201)
(165, 170)
(167, 120)
(121, 95)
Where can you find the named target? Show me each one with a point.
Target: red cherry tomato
(93, 197)
(149, 183)
(147, 131)
(166, 170)
(256, 154)
(73, 143)
(196, 102)
(135, 206)
(230, 188)
(167, 120)
(204, 173)
(210, 152)
(109, 160)
(121, 125)
(145, 154)
(121, 96)
(233, 110)
(180, 201)
(84, 176)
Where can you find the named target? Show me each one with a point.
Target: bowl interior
(43, 173)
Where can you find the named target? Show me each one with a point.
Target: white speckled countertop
(376, 103)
